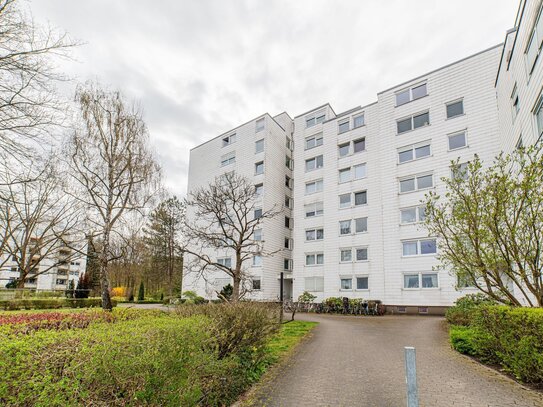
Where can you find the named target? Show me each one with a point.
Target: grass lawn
(290, 334)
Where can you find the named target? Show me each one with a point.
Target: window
(413, 122)
(539, 116)
(288, 243)
(345, 200)
(226, 141)
(407, 95)
(288, 181)
(361, 283)
(257, 260)
(343, 126)
(412, 215)
(259, 168)
(455, 109)
(228, 159)
(256, 283)
(419, 247)
(345, 227)
(314, 209)
(418, 280)
(314, 284)
(362, 254)
(358, 121)
(411, 281)
(416, 183)
(287, 264)
(317, 118)
(259, 146)
(531, 53)
(345, 255)
(460, 171)
(257, 235)
(464, 281)
(288, 202)
(346, 284)
(515, 107)
(457, 140)
(414, 152)
(345, 175)
(360, 171)
(313, 186)
(289, 163)
(287, 222)
(258, 213)
(259, 190)
(343, 149)
(260, 124)
(313, 141)
(314, 163)
(225, 261)
(361, 225)
(360, 198)
(60, 281)
(313, 259)
(289, 143)
(314, 234)
(359, 145)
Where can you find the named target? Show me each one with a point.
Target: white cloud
(200, 68)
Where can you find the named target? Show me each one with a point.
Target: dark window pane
(421, 120)
(359, 145)
(343, 127)
(362, 283)
(360, 198)
(455, 109)
(404, 125)
(428, 246)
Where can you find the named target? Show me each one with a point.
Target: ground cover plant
(197, 355)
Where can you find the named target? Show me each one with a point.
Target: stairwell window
(259, 168)
(455, 109)
(259, 146)
(314, 163)
(260, 124)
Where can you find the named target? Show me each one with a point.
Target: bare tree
(39, 224)
(28, 102)
(224, 216)
(113, 167)
(490, 226)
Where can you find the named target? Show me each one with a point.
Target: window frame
(345, 249)
(315, 137)
(316, 162)
(410, 93)
(457, 133)
(362, 276)
(229, 140)
(315, 210)
(416, 182)
(262, 120)
(356, 249)
(316, 182)
(315, 256)
(413, 148)
(453, 102)
(228, 159)
(316, 232)
(420, 285)
(419, 241)
(356, 232)
(417, 209)
(256, 146)
(412, 121)
(350, 227)
(342, 123)
(341, 280)
(357, 116)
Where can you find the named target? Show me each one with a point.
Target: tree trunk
(235, 291)
(104, 281)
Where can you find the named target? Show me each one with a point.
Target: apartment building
(260, 150)
(53, 272)
(360, 175)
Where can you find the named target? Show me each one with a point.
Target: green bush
(510, 337)
(463, 311)
(50, 303)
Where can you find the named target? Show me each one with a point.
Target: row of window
(344, 125)
(346, 256)
(419, 280)
(260, 125)
(421, 119)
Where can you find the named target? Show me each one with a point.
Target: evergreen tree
(93, 266)
(162, 238)
(83, 287)
(141, 292)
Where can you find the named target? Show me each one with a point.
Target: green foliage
(227, 292)
(83, 286)
(466, 307)
(306, 297)
(510, 337)
(141, 292)
(51, 303)
(192, 298)
(334, 302)
(488, 225)
(12, 284)
(146, 358)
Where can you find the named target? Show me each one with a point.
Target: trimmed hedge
(51, 303)
(509, 337)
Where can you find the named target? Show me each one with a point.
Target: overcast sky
(202, 67)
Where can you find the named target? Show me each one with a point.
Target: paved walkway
(353, 361)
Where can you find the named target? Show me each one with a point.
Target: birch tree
(113, 167)
(224, 216)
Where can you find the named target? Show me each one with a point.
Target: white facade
(360, 176)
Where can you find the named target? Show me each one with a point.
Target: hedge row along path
(358, 361)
